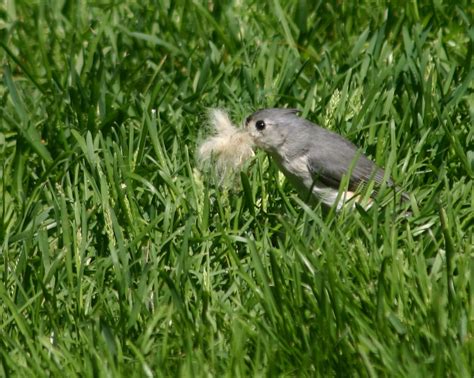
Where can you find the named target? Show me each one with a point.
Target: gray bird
(313, 159)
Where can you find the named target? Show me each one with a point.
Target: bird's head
(270, 128)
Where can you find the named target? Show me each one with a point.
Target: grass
(119, 257)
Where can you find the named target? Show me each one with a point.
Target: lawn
(120, 255)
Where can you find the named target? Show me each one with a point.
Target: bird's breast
(297, 172)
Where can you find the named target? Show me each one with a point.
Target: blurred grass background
(119, 257)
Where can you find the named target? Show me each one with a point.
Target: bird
(314, 159)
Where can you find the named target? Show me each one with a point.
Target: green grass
(120, 258)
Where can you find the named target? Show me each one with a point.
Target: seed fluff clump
(228, 148)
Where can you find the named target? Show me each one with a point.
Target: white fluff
(229, 147)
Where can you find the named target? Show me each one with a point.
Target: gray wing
(332, 156)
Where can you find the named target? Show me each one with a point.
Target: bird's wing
(328, 166)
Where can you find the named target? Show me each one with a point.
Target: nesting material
(228, 148)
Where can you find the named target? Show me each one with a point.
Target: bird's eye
(260, 125)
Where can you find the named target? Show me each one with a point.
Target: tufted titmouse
(313, 159)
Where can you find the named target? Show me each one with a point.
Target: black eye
(260, 125)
